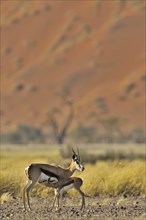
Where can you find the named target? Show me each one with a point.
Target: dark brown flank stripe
(50, 174)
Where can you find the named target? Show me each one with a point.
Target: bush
(138, 135)
(23, 134)
(7, 50)
(18, 87)
(46, 8)
(84, 134)
(101, 105)
(143, 78)
(130, 87)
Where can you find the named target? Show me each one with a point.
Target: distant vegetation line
(25, 134)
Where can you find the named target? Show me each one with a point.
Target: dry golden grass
(102, 178)
(115, 178)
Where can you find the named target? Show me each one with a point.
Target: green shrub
(7, 50)
(143, 78)
(101, 105)
(130, 87)
(18, 87)
(46, 8)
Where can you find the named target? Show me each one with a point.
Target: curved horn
(78, 153)
(73, 151)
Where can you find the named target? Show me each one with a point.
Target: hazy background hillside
(72, 68)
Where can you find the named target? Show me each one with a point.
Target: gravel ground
(96, 208)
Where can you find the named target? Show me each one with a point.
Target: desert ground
(96, 208)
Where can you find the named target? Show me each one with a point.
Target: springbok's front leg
(83, 199)
(77, 184)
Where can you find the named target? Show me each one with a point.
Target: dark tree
(60, 130)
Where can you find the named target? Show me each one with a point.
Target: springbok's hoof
(57, 209)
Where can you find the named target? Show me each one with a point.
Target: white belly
(47, 179)
(65, 188)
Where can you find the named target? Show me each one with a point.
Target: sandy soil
(96, 208)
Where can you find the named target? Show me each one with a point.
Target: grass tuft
(5, 197)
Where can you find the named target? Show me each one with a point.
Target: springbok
(55, 177)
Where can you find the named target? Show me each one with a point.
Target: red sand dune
(94, 49)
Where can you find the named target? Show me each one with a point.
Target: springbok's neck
(71, 168)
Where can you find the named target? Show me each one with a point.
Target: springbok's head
(76, 160)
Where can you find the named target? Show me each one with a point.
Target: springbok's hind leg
(56, 199)
(24, 192)
(27, 189)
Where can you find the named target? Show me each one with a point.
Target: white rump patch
(47, 179)
(26, 171)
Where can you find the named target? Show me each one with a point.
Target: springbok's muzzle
(82, 168)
